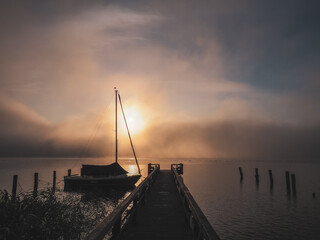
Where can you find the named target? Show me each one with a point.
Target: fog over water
(26, 134)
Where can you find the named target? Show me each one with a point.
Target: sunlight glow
(134, 119)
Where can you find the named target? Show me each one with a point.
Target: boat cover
(113, 169)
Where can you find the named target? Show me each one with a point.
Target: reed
(48, 216)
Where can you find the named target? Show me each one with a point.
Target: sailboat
(105, 176)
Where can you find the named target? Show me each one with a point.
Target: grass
(50, 216)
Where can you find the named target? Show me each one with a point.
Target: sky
(215, 79)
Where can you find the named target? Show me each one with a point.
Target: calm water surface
(236, 210)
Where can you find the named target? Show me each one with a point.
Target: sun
(135, 121)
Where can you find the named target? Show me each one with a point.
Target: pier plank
(162, 216)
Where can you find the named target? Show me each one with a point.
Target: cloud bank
(26, 134)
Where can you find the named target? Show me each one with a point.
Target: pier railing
(197, 221)
(115, 222)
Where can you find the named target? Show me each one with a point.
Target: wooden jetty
(161, 207)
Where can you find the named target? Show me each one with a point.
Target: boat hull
(79, 183)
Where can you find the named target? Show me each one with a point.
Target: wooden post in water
(241, 174)
(69, 172)
(271, 178)
(293, 182)
(288, 182)
(14, 187)
(54, 181)
(35, 185)
(257, 175)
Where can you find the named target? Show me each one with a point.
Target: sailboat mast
(116, 120)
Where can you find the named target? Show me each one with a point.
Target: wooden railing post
(178, 168)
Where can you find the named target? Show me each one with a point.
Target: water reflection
(271, 190)
(271, 180)
(236, 210)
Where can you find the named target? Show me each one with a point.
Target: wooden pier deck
(161, 207)
(162, 216)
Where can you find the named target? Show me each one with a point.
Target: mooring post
(288, 182)
(314, 195)
(293, 182)
(14, 187)
(35, 185)
(54, 181)
(241, 174)
(271, 178)
(69, 172)
(257, 175)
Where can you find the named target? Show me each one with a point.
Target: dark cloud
(270, 45)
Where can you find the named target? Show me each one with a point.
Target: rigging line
(125, 120)
(93, 135)
(97, 128)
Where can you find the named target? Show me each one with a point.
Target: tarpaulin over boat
(113, 169)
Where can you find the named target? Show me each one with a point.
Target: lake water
(236, 210)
